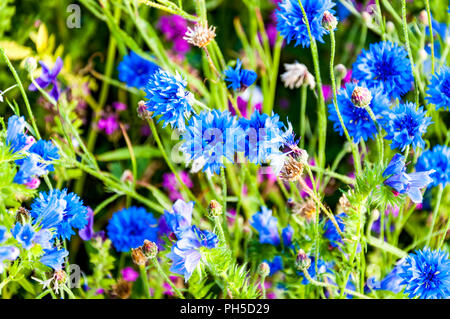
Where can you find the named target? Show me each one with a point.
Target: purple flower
(170, 183)
(88, 232)
(180, 218)
(129, 274)
(109, 124)
(49, 77)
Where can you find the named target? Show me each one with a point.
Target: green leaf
(123, 154)
(27, 286)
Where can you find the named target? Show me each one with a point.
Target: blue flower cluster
(437, 159)
(129, 227)
(356, 119)
(267, 226)
(185, 253)
(404, 183)
(135, 71)
(405, 126)
(439, 89)
(331, 233)
(167, 97)
(386, 65)
(38, 155)
(291, 23)
(239, 78)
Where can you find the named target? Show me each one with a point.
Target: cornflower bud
(30, 65)
(150, 249)
(361, 97)
(142, 111)
(390, 27)
(329, 21)
(303, 262)
(264, 269)
(214, 209)
(340, 70)
(138, 256)
(127, 176)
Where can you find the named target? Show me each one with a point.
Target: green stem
(166, 278)
(263, 288)
(144, 277)
(304, 95)
(430, 28)
(435, 213)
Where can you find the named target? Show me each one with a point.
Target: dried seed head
(60, 276)
(22, 215)
(264, 269)
(214, 209)
(329, 21)
(308, 210)
(122, 289)
(138, 256)
(302, 262)
(292, 170)
(361, 97)
(200, 35)
(142, 111)
(297, 75)
(150, 249)
(345, 203)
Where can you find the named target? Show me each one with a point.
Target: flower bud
(60, 276)
(214, 209)
(361, 96)
(138, 256)
(127, 176)
(30, 65)
(329, 21)
(303, 262)
(264, 269)
(367, 17)
(340, 70)
(423, 17)
(390, 27)
(423, 55)
(150, 249)
(142, 111)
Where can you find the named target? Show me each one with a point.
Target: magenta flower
(109, 124)
(48, 77)
(174, 28)
(170, 183)
(129, 274)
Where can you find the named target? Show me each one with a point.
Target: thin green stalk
(322, 116)
(303, 98)
(435, 213)
(166, 278)
(144, 277)
(263, 288)
(430, 28)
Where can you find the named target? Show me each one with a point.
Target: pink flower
(327, 92)
(129, 274)
(109, 124)
(119, 106)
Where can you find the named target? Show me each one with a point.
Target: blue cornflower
(405, 126)
(385, 64)
(167, 96)
(426, 274)
(287, 234)
(54, 258)
(266, 225)
(290, 21)
(49, 77)
(275, 265)
(135, 71)
(391, 282)
(331, 233)
(185, 253)
(47, 151)
(180, 218)
(239, 78)
(438, 160)
(8, 253)
(356, 119)
(404, 183)
(61, 210)
(129, 227)
(3, 234)
(15, 136)
(210, 136)
(30, 168)
(27, 236)
(439, 89)
(263, 136)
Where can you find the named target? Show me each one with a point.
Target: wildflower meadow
(224, 149)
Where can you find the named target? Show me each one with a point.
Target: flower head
(405, 126)
(263, 136)
(211, 136)
(54, 258)
(48, 77)
(200, 35)
(385, 64)
(439, 89)
(30, 168)
(356, 119)
(291, 23)
(8, 253)
(185, 253)
(361, 96)
(266, 225)
(331, 233)
(135, 71)
(129, 227)
(180, 218)
(47, 151)
(404, 183)
(15, 136)
(275, 265)
(59, 209)
(329, 21)
(297, 75)
(167, 96)
(426, 274)
(239, 78)
(437, 159)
